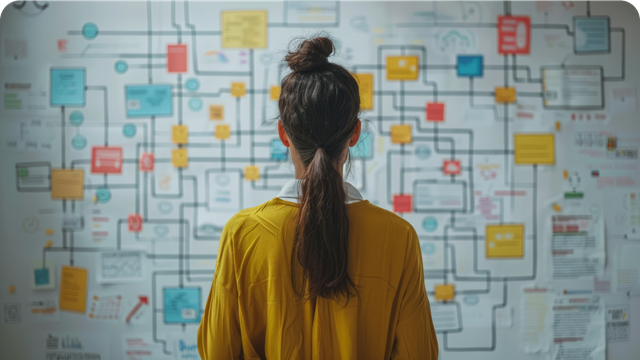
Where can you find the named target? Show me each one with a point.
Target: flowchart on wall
(506, 133)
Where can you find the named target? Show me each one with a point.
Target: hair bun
(310, 54)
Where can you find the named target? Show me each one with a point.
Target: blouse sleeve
(415, 335)
(219, 333)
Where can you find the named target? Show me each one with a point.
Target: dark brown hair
(319, 107)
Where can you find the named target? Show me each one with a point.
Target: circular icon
(430, 224)
(161, 230)
(76, 118)
(165, 207)
(129, 130)
(428, 248)
(121, 66)
(103, 195)
(30, 224)
(222, 179)
(192, 84)
(90, 31)
(195, 104)
(423, 152)
(79, 142)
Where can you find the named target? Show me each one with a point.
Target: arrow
(143, 301)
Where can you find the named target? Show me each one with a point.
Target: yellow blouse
(253, 311)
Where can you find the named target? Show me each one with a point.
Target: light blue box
(68, 86)
(182, 305)
(470, 65)
(363, 149)
(592, 35)
(149, 100)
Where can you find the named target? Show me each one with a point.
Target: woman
(318, 272)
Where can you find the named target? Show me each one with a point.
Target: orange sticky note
(223, 132)
(67, 184)
(73, 289)
(558, 126)
(444, 292)
(557, 207)
(251, 172)
(505, 95)
(49, 231)
(12, 289)
(402, 67)
(565, 174)
(179, 158)
(238, 89)
(48, 244)
(180, 134)
(365, 87)
(400, 134)
(274, 92)
(216, 112)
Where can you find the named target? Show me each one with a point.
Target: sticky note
(12, 289)
(48, 244)
(556, 207)
(400, 134)
(67, 184)
(68, 86)
(73, 289)
(505, 95)
(238, 89)
(177, 58)
(106, 160)
(534, 149)
(244, 29)
(182, 305)
(274, 92)
(43, 276)
(216, 112)
(558, 126)
(251, 172)
(180, 134)
(504, 241)
(565, 174)
(444, 292)
(402, 67)
(179, 158)
(402, 203)
(223, 132)
(365, 87)
(435, 111)
(49, 231)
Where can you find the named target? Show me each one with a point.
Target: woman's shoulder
(264, 214)
(373, 215)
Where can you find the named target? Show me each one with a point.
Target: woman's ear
(356, 133)
(283, 134)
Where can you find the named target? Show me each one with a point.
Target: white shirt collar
(291, 190)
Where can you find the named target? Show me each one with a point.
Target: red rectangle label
(514, 34)
(106, 160)
(177, 58)
(435, 111)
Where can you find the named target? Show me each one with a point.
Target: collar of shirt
(291, 190)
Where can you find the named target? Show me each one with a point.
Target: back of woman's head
(319, 106)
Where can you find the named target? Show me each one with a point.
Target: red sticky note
(134, 222)
(177, 58)
(106, 160)
(435, 111)
(147, 161)
(514, 35)
(451, 167)
(402, 203)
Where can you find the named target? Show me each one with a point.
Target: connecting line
(527, 68)
(621, 77)
(63, 135)
(149, 26)
(474, 106)
(265, 177)
(173, 21)
(106, 110)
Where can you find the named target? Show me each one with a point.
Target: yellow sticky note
(216, 112)
(73, 289)
(67, 184)
(12, 289)
(244, 29)
(180, 134)
(400, 134)
(505, 95)
(274, 92)
(557, 208)
(504, 241)
(558, 126)
(365, 85)
(49, 231)
(223, 132)
(180, 158)
(251, 172)
(444, 292)
(238, 89)
(48, 244)
(402, 68)
(565, 174)
(534, 149)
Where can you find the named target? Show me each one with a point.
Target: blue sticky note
(148, 100)
(363, 149)
(182, 305)
(41, 276)
(67, 87)
(278, 150)
(591, 34)
(470, 65)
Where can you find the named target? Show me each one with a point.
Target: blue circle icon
(423, 152)
(161, 230)
(165, 207)
(129, 130)
(103, 195)
(430, 224)
(192, 84)
(79, 142)
(76, 118)
(90, 31)
(195, 104)
(121, 66)
(427, 248)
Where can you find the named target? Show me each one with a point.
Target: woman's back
(253, 305)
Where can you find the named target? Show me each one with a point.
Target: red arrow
(143, 301)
